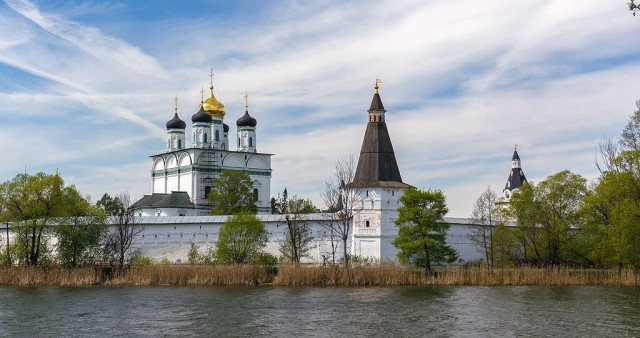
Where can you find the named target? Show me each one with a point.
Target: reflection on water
(282, 311)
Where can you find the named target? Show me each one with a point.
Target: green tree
(232, 193)
(483, 216)
(612, 212)
(124, 226)
(242, 239)
(422, 235)
(297, 235)
(548, 214)
(31, 201)
(80, 231)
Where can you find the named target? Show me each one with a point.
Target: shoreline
(292, 275)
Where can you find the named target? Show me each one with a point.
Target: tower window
(207, 190)
(238, 142)
(366, 223)
(255, 194)
(205, 138)
(217, 135)
(179, 144)
(250, 141)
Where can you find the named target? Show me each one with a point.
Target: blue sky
(87, 86)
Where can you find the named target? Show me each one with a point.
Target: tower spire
(377, 166)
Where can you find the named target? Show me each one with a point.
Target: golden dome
(212, 106)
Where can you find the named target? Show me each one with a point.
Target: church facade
(182, 176)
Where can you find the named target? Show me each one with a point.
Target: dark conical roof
(201, 116)
(516, 179)
(176, 123)
(376, 102)
(246, 120)
(516, 176)
(377, 166)
(515, 156)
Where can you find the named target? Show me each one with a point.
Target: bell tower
(379, 186)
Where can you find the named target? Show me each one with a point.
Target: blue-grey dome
(225, 127)
(201, 116)
(176, 123)
(246, 120)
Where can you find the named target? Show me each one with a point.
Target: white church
(176, 213)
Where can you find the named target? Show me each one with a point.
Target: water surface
(283, 311)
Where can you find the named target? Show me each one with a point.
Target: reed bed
(298, 275)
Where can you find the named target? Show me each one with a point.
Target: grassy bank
(291, 275)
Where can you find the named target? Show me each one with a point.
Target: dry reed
(297, 275)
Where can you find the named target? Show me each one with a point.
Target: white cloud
(462, 83)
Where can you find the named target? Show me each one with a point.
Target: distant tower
(516, 176)
(175, 131)
(246, 129)
(379, 186)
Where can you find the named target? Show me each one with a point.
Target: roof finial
(515, 148)
(211, 78)
(176, 100)
(246, 101)
(201, 95)
(376, 86)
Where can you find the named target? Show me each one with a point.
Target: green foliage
(232, 193)
(547, 214)
(111, 205)
(138, 259)
(357, 260)
(31, 201)
(80, 232)
(612, 212)
(242, 238)
(194, 256)
(268, 261)
(421, 238)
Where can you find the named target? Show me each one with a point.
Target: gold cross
(211, 76)
(201, 94)
(246, 100)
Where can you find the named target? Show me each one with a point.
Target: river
(307, 311)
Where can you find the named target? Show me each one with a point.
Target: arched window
(207, 190)
(179, 144)
(217, 135)
(366, 223)
(205, 138)
(250, 141)
(238, 142)
(255, 194)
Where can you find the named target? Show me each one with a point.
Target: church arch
(257, 162)
(158, 164)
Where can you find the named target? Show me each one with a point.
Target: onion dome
(225, 127)
(246, 120)
(176, 123)
(212, 106)
(201, 116)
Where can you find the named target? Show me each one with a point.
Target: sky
(87, 86)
